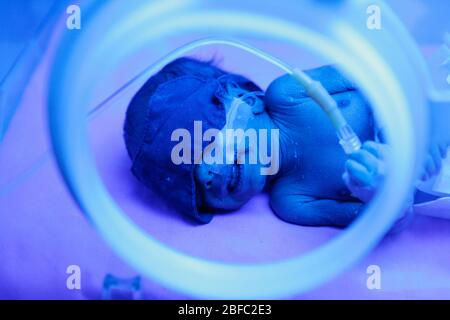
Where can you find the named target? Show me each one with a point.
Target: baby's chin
(251, 182)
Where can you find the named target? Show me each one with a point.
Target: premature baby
(311, 181)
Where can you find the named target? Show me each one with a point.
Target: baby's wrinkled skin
(317, 184)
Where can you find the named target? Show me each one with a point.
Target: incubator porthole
(177, 270)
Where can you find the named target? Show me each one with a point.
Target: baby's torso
(312, 161)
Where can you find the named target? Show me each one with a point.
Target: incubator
(121, 44)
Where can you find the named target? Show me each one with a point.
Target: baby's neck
(288, 152)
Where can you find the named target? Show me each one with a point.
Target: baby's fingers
(358, 173)
(368, 160)
(363, 193)
(379, 150)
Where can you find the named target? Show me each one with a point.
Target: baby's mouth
(236, 172)
(235, 177)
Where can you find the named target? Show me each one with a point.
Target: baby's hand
(366, 170)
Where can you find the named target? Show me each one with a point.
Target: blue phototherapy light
(113, 30)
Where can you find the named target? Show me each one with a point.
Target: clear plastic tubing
(347, 137)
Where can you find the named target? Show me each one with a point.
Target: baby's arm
(309, 211)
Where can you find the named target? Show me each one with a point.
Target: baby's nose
(204, 176)
(212, 176)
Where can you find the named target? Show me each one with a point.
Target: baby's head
(171, 130)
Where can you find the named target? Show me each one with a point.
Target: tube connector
(348, 139)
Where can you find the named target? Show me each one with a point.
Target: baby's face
(228, 186)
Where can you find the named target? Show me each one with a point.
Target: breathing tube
(348, 140)
(238, 116)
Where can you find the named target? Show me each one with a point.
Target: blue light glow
(179, 271)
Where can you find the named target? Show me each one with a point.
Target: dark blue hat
(175, 104)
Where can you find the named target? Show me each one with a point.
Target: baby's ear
(258, 107)
(256, 102)
(284, 90)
